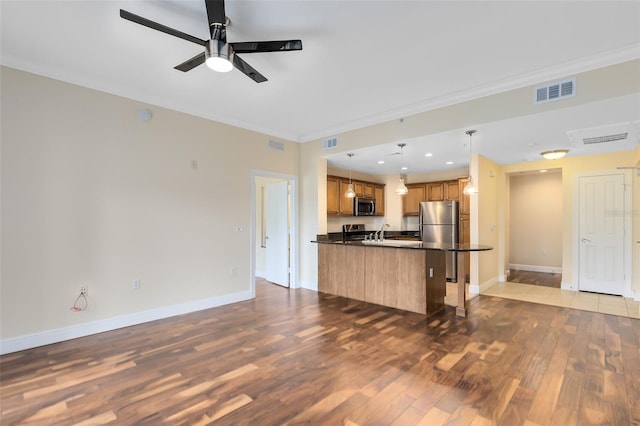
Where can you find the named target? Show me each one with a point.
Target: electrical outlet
(135, 284)
(84, 290)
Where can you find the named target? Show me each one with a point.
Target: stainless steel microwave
(364, 206)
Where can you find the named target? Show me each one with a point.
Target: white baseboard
(309, 285)
(567, 286)
(28, 341)
(477, 289)
(536, 268)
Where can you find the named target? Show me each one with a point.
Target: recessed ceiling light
(403, 168)
(543, 171)
(380, 161)
(449, 163)
(429, 154)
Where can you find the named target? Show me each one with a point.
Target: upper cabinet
(463, 198)
(435, 191)
(339, 205)
(378, 194)
(412, 199)
(450, 190)
(333, 195)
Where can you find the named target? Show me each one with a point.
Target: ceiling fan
(219, 54)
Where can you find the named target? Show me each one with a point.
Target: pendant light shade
(470, 188)
(401, 189)
(350, 193)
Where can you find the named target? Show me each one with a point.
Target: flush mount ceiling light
(469, 188)
(401, 189)
(350, 192)
(554, 154)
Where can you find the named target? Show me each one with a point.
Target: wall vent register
(555, 91)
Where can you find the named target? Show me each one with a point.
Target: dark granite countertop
(404, 244)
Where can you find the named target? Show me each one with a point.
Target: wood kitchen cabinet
(435, 191)
(411, 201)
(333, 195)
(378, 194)
(451, 190)
(369, 191)
(465, 208)
(339, 205)
(346, 204)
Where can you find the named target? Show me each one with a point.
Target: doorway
(273, 230)
(536, 228)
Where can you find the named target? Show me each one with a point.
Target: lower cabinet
(408, 279)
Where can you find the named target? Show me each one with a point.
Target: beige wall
(535, 230)
(93, 196)
(635, 254)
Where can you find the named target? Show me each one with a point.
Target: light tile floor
(603, 303)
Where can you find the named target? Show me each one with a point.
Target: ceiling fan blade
(248, 70)
(266, 46)
(159, 27)
(215, 14)
(191, 63)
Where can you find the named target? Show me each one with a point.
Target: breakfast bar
(408, 275)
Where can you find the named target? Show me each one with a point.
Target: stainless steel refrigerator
(439, 224)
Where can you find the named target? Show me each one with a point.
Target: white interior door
(277, 230)
(601, 233)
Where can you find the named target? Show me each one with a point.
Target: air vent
(620, 136)
(276, 145)
(603, 139)
(330, 143)
(555, 91)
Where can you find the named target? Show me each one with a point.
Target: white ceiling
(363, 62)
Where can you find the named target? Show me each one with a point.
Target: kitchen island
(408, 275)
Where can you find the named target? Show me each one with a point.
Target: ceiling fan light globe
(219, 64)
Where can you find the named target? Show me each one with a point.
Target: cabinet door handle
(585, 240)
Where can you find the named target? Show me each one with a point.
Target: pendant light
(469, 188)
(401, 189)
(350, 192)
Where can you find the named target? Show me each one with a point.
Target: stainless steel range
(353, 232)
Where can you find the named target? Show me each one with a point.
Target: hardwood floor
(544, 279)
(299, 357)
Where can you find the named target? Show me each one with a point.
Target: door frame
(293, 249)
(627, 218)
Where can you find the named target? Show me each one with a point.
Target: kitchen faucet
(380, 234)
